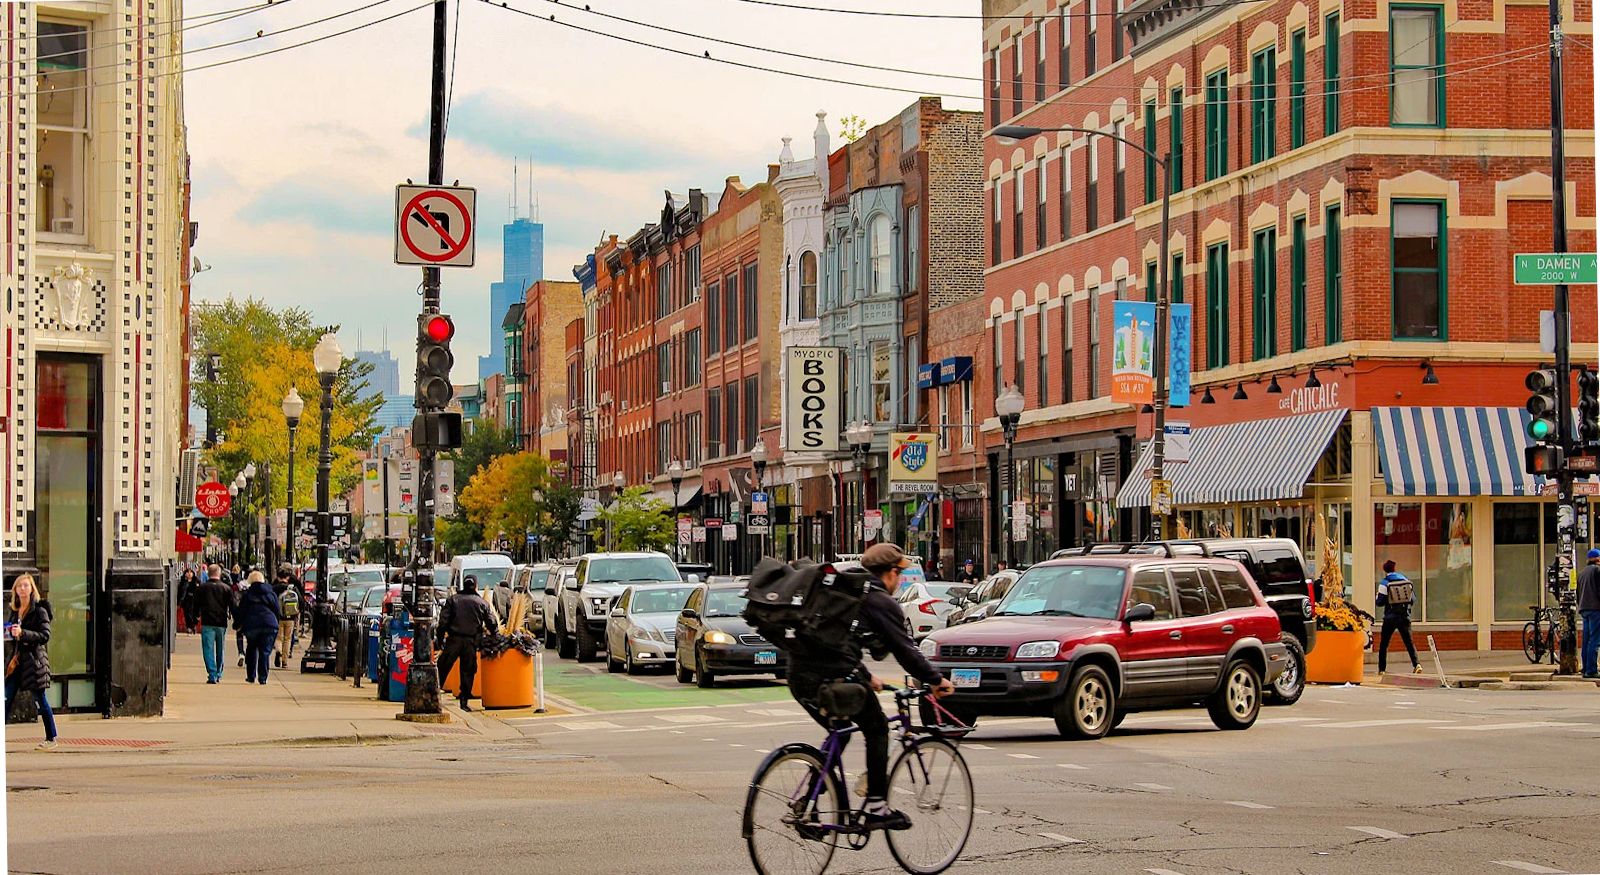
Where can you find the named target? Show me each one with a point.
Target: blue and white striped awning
(1242, 461)
(1453, 450)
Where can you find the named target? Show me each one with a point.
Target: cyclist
(884, 630)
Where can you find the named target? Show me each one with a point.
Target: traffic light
(1543, 456)
(434, 360)
(1588, 406)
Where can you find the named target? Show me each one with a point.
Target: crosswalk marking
(1495, 727)
(1065, 840)
(773, 712)
(1071, 766)
(1152, 786)
(1379, 832)
(1243, 804)
(689, 718)
(978, 747)
(1373, 724)
(578, 725)
(981, 811)
(1527, 867)
(1271, 720)
(1022, 756)
(1163, 872)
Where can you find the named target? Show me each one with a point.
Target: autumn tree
(506, 497)
(639, 520)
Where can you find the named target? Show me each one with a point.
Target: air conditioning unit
(188, 477)
(666, 387)
(605, 397)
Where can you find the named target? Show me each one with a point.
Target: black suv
(1280, 573)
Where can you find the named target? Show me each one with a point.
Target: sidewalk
(1463, 668)
(291, 708)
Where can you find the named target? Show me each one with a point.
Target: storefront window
(65, 492)
(1447, 591)
(1397, 536)
(1518, 568)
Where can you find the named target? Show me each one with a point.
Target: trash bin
(399, 662)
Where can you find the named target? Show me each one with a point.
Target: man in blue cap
(1589, 607)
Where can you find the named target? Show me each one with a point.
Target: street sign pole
(422, 684)
(1566, 509)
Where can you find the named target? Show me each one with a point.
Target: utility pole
(383, 459)
(1566, 508)
(422, 684)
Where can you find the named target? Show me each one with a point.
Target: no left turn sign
(434, 225)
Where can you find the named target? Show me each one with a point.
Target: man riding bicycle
(882, 630)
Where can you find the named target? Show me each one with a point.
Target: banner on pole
(1133, 352)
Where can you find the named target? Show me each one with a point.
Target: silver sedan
(640, 630)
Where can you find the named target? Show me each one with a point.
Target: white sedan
(927, 604)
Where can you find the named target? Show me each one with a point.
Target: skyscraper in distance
(522, 247)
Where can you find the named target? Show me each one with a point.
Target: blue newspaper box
(375, 650)
(397, 666)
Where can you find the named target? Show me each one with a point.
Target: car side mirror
(689, 614)
(958, 601)
(572, 585)
(1140, 612)
(616, 612)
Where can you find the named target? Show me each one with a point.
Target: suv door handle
(1175, 634)
(1228, 629)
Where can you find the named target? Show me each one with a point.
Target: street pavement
(1351, 779)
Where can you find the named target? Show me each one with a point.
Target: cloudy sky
(295, 155)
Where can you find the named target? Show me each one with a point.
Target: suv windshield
(488, 578)
(660, 601)
(724, 602)
(1066, 591)
(631, 569)
(536, 580)
(365, 575)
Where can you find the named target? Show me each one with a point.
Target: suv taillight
(1311, 591)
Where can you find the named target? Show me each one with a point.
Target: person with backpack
(288, 590)
(824, 655)
(1395, 595)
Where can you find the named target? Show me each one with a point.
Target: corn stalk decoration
(1334, 614)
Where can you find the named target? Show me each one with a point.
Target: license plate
(966, 677)
(767, 657)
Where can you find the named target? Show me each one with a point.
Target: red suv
(1088, 639)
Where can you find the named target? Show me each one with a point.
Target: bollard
(538, 678)
(1437, 665)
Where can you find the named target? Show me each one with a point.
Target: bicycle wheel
(931, 785)
(783, 820)
(1532, 643)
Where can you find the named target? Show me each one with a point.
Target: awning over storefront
(1242, 461)
(688, 496)
(1453, 450)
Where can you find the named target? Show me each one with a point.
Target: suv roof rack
(1102, 548)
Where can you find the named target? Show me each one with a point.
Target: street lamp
(326, 357)
(249, 473)
(675, 474)
(1008, 408)
(859, 435)
(758, 459)
(293, 406)
(233, 502)
(618, 483)
(1158, 439)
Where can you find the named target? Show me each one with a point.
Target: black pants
(466, 650)
(1392, 625)
(871, 721)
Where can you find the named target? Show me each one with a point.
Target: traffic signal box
(1544, 455)
(433, 427)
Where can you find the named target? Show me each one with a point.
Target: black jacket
(214, 601)
(884, 632)
(32, 648)
(465, 614)
(1589, 588)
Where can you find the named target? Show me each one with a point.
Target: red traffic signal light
(439, 328)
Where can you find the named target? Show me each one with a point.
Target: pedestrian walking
(1395, 595)
(288, 592)
(462, 620)
(1589, 607)
(257, 618)
(188, 588)
(213, 605)
(28, 669)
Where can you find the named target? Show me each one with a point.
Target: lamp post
(1008, 409)
(675, 474)
(758, 460)
(1158, 439)
(293, 406)
(233, 502)
(618, 483)
(251, 553)
(859, 435)
(326, 357)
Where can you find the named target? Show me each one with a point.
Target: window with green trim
(1150, 152)
(1417, 248)
(1217, 125)
(1264, 293)
(1297, 284)
(1176, 280)
(1416, 66)
(1217, 305)
(1297, 89)
(1330, 74)
(1263, 104)
(1150, 281)
(1332, 276)
(1175, 138)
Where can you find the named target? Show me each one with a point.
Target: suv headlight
(1039, 650)
(715, 637)
(929, 647)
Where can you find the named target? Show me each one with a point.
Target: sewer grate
(448, 730)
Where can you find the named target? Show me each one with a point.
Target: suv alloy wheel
(1237, 702)
(1291, 683)
(1089, 706)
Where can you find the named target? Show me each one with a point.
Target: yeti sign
(813, 418)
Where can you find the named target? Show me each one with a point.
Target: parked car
(1278, 569)
(343, 575)
(977, 603)
(531, 579)
(587, 597)
(550, 602)
(640, 628)
(1089, 639)
(712, 640)
(928, 605)
(695, 572)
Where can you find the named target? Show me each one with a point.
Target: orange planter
(452, 681)
(1337, 658)
(507, 680)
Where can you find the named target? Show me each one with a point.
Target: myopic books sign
(813, 417)
(1133, 352)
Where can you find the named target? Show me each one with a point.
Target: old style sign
(913, 463)
(212, 499)
(814, 411)
(434, 225)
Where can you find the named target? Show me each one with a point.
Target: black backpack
(814, 604)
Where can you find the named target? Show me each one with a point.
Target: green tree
(456, 536)
(639, 520)
(480, 446)
(505, 498)
(851, 128)
(559, 519)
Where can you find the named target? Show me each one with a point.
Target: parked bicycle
(797, 810)
(1539, 635)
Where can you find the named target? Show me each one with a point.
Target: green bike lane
(591, 688)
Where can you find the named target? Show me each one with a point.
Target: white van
(490, 568)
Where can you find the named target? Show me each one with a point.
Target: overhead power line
(158, 33)
(224, 12)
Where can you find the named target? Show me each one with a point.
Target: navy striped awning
(1241, 461)
(1453, 450)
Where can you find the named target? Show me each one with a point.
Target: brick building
(543, 359)
(608, 444)
(1349, 184)
(633, 330)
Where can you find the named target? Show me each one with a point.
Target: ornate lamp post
(238, 534)
(675, 474)
(251, 552)
(859, 435)
(1008, 408)
(618, 483)
(293, 406)
(326, 357)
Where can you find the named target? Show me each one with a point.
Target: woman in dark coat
(257, 618)
(188, 588)
(28, 669)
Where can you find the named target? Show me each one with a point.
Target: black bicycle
(1539, 635)
(797, 810)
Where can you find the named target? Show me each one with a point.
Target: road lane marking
(773, 712)
(981, 811)
(1271, 720)
(689, 718)
(589, 724)
(1071, 766)
(708, 739)
(1065, 840)
(1243, 804)
(1022, 756)
(735, 745)
(1527, 867)
(978, 747)
(762, 750)
(1379, 832)
(1495, 727)
(1374, 724)
(1163, 872)
(1152, 786)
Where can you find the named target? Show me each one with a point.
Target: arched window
(882, 256)
(808, 285)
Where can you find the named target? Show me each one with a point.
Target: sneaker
(465, 706)
(1416, 669)
(211, 680)
(47, 744)
(241, 662)
(890, 819)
